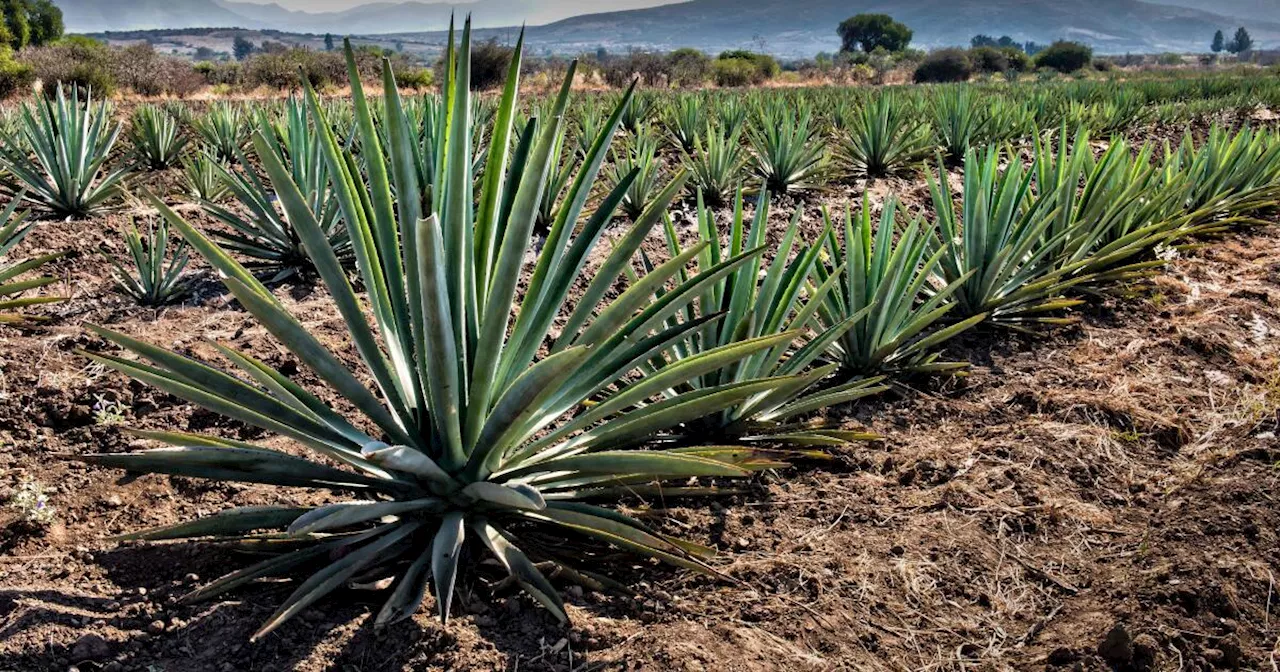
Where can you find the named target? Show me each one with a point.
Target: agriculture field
(949, 377)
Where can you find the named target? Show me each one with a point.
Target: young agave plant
(60, 159)
(959, 122)
(467, 442)
(12, 232)
(753, 302)
(158, 141)
(203, 176)
(684, 121)
(224, 130)
(267, 235)
(786, 151)
(997, 247)
(890, 277)
(715, 166)
(884, 139)
(152, 277)
(638, 156)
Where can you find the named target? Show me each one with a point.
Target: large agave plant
(14, 229)
(480, 426)
(157, 138)
(885, 139)
(958, 121)
(753, 302)
(60, 159)
(890, 277)
(684, 120)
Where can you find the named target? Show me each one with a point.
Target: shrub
(652, 69)
(945, 65)
(988, 60)
(1065, 56)
(140, 69)
(227, 73)
(689, 67)
(77, 63)
(15, 77)
(1017, 59)
(489, 64)
(414, 78)
(733, 73)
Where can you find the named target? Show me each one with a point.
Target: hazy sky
(578, 5)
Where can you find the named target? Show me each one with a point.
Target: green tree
(16, 23)
(1219, 42)
(869, 31)
(241, 47)
(45, 20)
(1242, 42)
(328, 41)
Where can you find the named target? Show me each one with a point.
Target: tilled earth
(1098, 497)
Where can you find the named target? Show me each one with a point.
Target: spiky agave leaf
(715, 165)
(224, 131)
(60, 160)
(471, 438)
(889, 275)
(785, 148)
(14, 229)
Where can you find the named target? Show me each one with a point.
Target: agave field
(975, 375)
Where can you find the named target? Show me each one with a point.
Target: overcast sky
(577, 5)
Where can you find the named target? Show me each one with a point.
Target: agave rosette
(482, 425)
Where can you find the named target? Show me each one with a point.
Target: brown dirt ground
(1098, 497)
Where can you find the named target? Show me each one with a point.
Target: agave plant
(224, 130)
(152, 276)
(786, 151)
(889, 276)
(732, 116)
(466, 442)
(636, 114)
(12, 232)
(638, 156)
(755, 302)
(60, 160)
(883, 139)
(267, 235)
(958, 121)
(158, 141)
(715, 166)
(997, 248)
(684, 120)
(203, 176)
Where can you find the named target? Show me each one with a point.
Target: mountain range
(786, 28)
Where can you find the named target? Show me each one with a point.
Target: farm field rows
(844, 378)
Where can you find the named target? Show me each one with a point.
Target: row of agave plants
(496, 397)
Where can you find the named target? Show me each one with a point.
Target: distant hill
(792, 28)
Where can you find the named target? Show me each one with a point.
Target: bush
(945, 65)
(15, 78)
(413, 78)
(226, 73)
(689, 67)
(489, 64)
(1104, 65)
(79, 63)
(1065, 56)
(652, 69)
(733, 73)
(141, 70)
(988, 60)
(1018, 59)
(766, 66)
